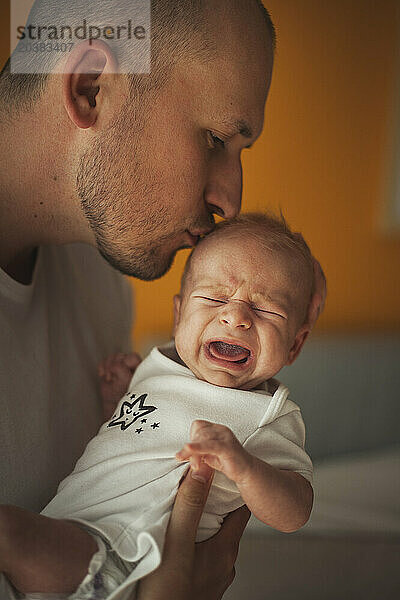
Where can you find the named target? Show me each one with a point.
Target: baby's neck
(170, 352)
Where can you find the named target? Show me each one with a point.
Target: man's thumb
(190, 500)
(203, 473)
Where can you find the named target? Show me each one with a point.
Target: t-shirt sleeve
(280, 443)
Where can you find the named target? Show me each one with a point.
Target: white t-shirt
(53, 333)
(125, 483)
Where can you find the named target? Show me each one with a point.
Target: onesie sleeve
(280, 442)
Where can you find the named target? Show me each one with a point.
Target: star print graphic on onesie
(130, 412)
(124, 485)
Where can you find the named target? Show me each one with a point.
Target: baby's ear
(299, 340)
(177, 311)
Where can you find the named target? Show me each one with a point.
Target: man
(133, 166)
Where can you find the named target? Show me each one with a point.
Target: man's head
(242, 312)
(150, 170)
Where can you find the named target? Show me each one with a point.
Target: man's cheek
(193, 166)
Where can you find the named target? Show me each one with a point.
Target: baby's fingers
(105, 367)
(132, 360)
(207, 447)
(197, 463)
(184, 454)
(197, 460)
(190, 450)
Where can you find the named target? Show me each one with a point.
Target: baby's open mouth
(231, 352)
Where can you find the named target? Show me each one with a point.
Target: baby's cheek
(274, 356)
(184, 346)
(179, 346)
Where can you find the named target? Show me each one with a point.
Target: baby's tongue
(228, 351)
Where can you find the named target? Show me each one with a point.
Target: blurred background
(329, 158)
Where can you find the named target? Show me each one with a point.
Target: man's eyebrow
(243, 128)
(239, 126)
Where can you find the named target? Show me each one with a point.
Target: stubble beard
(132, 234)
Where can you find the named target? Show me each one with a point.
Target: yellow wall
(322, 158)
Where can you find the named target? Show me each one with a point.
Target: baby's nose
(236, 315)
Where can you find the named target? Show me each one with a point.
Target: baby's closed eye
(212, 300)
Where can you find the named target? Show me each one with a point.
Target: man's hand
(215, 558)
(192, 571)
(217, 446)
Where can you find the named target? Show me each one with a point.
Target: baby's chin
(224, 379)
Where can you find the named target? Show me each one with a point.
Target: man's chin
(146, 267)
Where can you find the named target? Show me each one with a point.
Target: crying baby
(209, 395)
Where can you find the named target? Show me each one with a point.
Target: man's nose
(236, 315)
(223, 193)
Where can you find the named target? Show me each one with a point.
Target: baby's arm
(282, 499)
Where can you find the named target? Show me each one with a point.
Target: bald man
(104, 172)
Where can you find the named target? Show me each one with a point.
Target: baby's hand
(217, 446)
(115, 373)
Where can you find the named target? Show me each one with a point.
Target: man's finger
(236, 522)
(175, 574)
(189, 503)
(233, 526)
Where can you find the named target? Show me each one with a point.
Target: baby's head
(242, 311)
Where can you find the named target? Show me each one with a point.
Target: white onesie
(124, 485)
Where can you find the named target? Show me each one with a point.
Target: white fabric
(125, 483)
(53, 333)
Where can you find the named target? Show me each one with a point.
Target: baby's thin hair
(270, 230)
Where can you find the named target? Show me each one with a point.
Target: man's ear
(177, 311)
(83, 77)
(300, 338)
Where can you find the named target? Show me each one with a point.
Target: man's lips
(194, 236)
(193, 239)
(233, 354)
